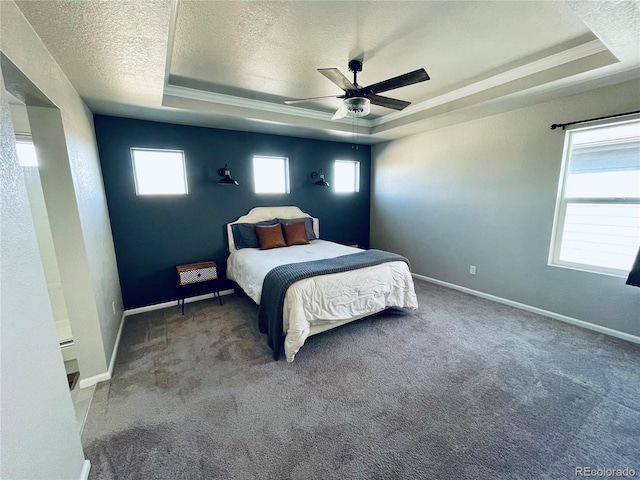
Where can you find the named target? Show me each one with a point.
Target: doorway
(28, 159)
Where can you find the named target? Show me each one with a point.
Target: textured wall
(38, 437)
(74, 193)
(153, 234)
(483, 193)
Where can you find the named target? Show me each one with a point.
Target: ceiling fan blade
(338, 78)
(399, 81)
(340, 113)
(388, 102)
(300, 100)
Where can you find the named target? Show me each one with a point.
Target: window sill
(586, 269)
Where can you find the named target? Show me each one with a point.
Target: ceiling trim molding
(239, 102)
(566, 56)
(229, 100)
(173, 22)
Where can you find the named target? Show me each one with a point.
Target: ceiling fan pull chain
(355, 133)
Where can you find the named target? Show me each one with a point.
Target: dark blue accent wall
(153, 234)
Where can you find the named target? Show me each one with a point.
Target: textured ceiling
(230, 64)
(277, 47)
(112, 51)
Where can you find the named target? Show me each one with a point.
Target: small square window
(271, 174)
(346, 178)
(159, 172)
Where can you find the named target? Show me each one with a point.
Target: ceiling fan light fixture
(353, 107)
(356, 107)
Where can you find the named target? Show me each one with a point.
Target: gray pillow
(244, 234)
(308, 223)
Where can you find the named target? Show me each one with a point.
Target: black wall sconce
(227, 180)
(319, 174)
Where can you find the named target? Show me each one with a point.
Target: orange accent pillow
(295, 233)
(270, 236)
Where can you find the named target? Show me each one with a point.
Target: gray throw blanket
(278, 280)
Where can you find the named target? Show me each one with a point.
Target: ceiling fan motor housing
(355, 66)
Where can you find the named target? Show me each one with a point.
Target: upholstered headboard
(259, 214)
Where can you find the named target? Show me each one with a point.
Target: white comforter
(325, 298)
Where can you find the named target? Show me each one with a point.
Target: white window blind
(597, 224)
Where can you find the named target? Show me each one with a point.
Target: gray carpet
(462, 388)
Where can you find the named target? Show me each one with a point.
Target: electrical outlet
(113, 307)
(472, 270)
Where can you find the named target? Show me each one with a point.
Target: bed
(322, 301)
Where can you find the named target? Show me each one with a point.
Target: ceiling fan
(357, 99)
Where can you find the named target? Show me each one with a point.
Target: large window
(346, 176)
(271, 174)
(597, 222)
(159, 172)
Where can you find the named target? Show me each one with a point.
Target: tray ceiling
(231, 64)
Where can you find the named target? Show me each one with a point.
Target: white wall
(483, 193)
(40, 218)
(74, 193)
(47, 253)
(38, 438)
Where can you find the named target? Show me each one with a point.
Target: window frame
(161, 150)
(562, 203)
(356, 186)
(287, 175)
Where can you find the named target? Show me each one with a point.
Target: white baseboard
(159, 306)
(112, 362)
(86, 467)
(539, 311)
(101, 377)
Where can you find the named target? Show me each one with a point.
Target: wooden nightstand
(197, 273)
